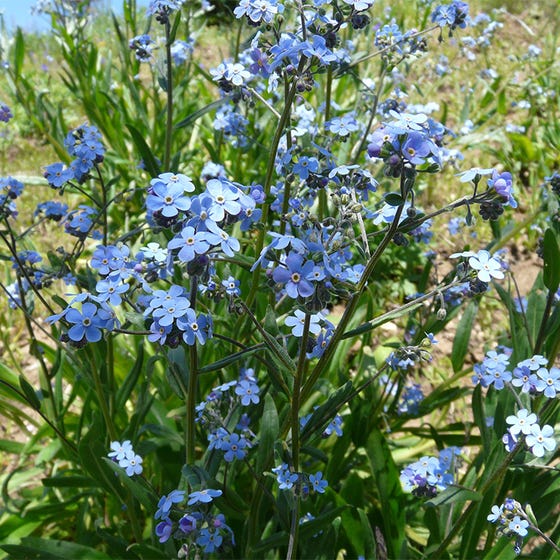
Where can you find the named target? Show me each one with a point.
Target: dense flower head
(142, 46)
(258, 11)
(502, 184)
(428, 475)
(451, 15)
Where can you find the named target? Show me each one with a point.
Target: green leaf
(394, 199)
(322, 415)
(193, 117)
(389, 489)
(454, 494)
(62, 481)
(30, 393)
(19, 52)
(150, 162)
(463, 335)
(551, 255)
(139, 488)
(131, 379)
(270, 428)
(232, 358)
(33, 547)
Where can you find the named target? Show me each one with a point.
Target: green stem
(282, 123)
(191, 392)
(294, 531)
(169, 91)
(298, 382)
(325, 359)
(495, 477)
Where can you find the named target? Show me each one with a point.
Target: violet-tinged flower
(502, 183)
(163, 530)
(5, 113)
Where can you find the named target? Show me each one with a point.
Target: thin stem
(282, 123)
(169, 91)
(549, 541)
(294, 531)
(352, 304)
(191, 392)
(483, 490)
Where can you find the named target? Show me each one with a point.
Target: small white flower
(487, 267)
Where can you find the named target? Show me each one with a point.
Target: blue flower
(111, 291)
(210, 540)
(297, 321)
(195, 328)
(295, 276)
(497, 513)
(540, 439)
(317, 482)
(234, 447)
(132, 464)
(167, 198)
(190, 243)
(285, 478)
(248, 391)
(203, 496)
(86, 323)
(225, 197)
(57, 175)
(166, 503)
(231, 286)
(519, 526)
(548, 382)
(522, 422)
(304, 166)
(119, 450)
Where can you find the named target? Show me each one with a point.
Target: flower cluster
(124, 455)
(196, 527)
(225, 402)
(512, 521)
(524, 427)
(84, 145)
(300, 483)
(429, 475)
